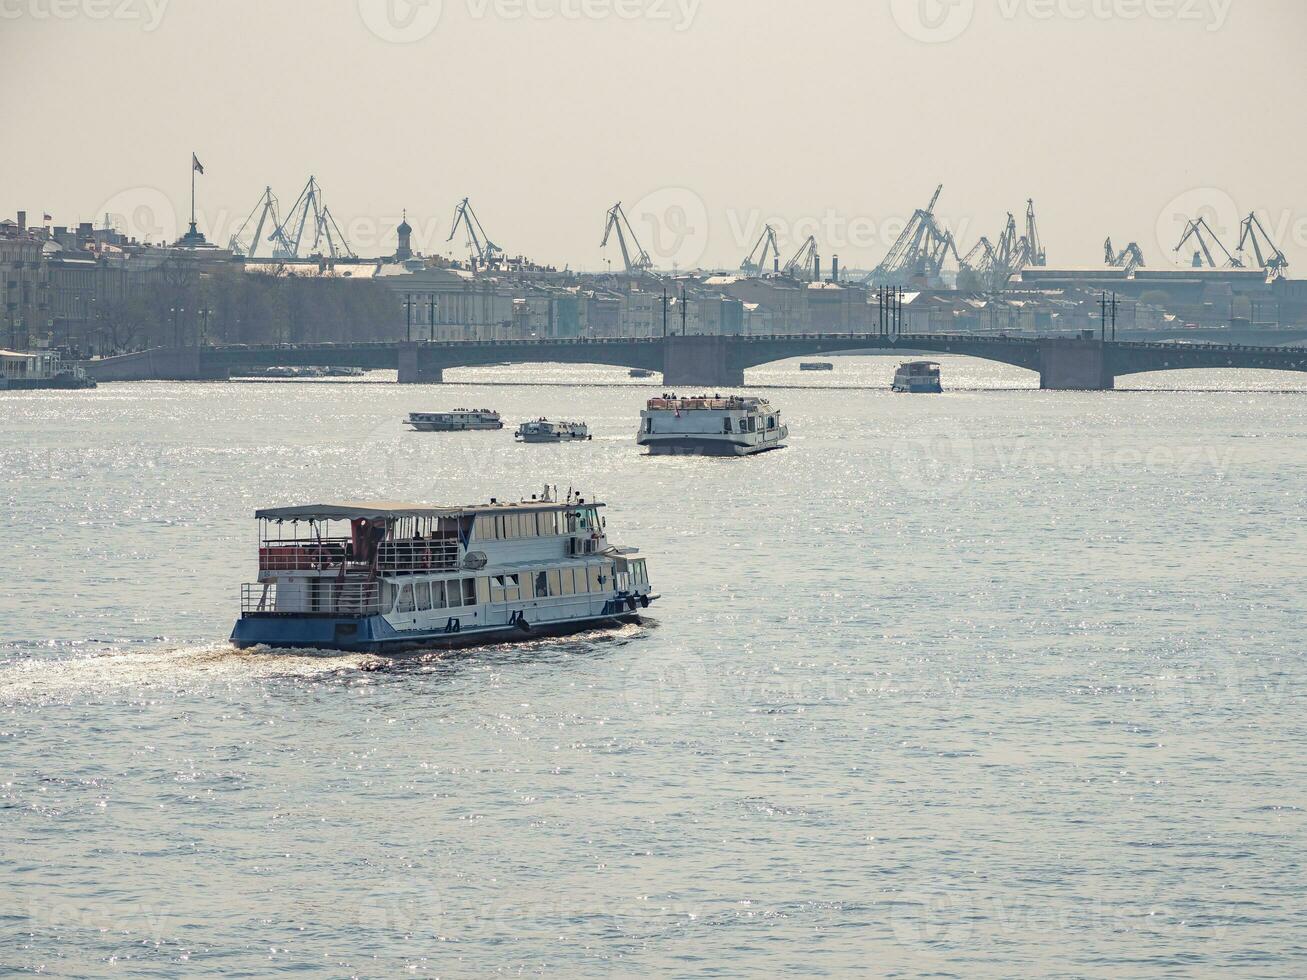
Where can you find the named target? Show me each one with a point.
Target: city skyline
(808, 149)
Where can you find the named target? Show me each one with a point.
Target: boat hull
(372, 634)
(434, 427)
(559, 438)
(919, 387)
(705, 446)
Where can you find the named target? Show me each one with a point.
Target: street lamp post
(431, 310)
(204, 326)
(408, 311)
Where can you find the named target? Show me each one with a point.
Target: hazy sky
(706, 117)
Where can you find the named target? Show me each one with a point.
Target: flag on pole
(196, 165)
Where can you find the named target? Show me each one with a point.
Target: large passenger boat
(710, 425)
(26, 370)
(459, 420)
(547, 430)
(388, 577)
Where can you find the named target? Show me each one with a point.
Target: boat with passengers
(710, 425)
(389, 577)
(548, 430)
(459, 420)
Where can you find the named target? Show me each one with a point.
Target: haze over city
(708, 118)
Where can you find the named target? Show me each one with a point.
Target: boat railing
(350, 597)
(408, 557)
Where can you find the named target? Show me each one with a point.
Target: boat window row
(545, 524)
(452, 594)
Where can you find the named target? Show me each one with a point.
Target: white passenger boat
(918, 377)
(459, 420)
(710, 425)
(545, 430)
(390, 577)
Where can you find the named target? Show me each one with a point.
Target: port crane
(806, 263)
(1129, 258)
(266, 208)
(756, 262)
(488, 254)
(919, 252)
(620, 225)
(1199, 230)
(309, 204)
(977, 268)
(1035, 252)
(1253, 232)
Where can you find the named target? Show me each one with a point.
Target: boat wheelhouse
(459, 420)
(389, 577)
(545, 430)
(918, 377)
(710, 425)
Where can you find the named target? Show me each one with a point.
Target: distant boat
(543, 430)
(459, 420)
(641, 373)
(710, 425)
(816, 366)
(918, 377)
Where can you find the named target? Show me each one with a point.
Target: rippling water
(995, 683)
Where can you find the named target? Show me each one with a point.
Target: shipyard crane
(1035, 253)
(1129, 258)
(266, 208)
(756, 262)
(1203, 257)
(1013, 252)
(308, 212)
(976, 268)
(919, 252)
(620, 225)
(488, 254)
(1271, 259)
(806, 263)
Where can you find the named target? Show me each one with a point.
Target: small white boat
(545, 430)
(641, 373)
(459, 420)
(918, 377)
(710, 425)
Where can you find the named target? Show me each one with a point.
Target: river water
(1000, 682)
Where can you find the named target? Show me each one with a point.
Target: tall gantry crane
(488, 255)
(976, 269)
(919, 252)
(309, 212)
(266, 208)
(1035, 253)
(620, 225)
(1271, 259)
(1129, 258)
(756, 262)
(806, 263)
(1199, 230)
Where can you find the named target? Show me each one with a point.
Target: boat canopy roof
(354, 511)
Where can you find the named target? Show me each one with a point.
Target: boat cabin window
(542, 584)
(569, 583)
(648, 425)
(771, 421)
(596, 575)
(483, 590)
(726, 425)
(555, 586)
(422, 594)
(405, 601)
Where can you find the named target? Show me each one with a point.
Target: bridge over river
(1063, 363)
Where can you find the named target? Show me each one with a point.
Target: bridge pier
(415, 369)
(700, 361)
(1074, 365)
